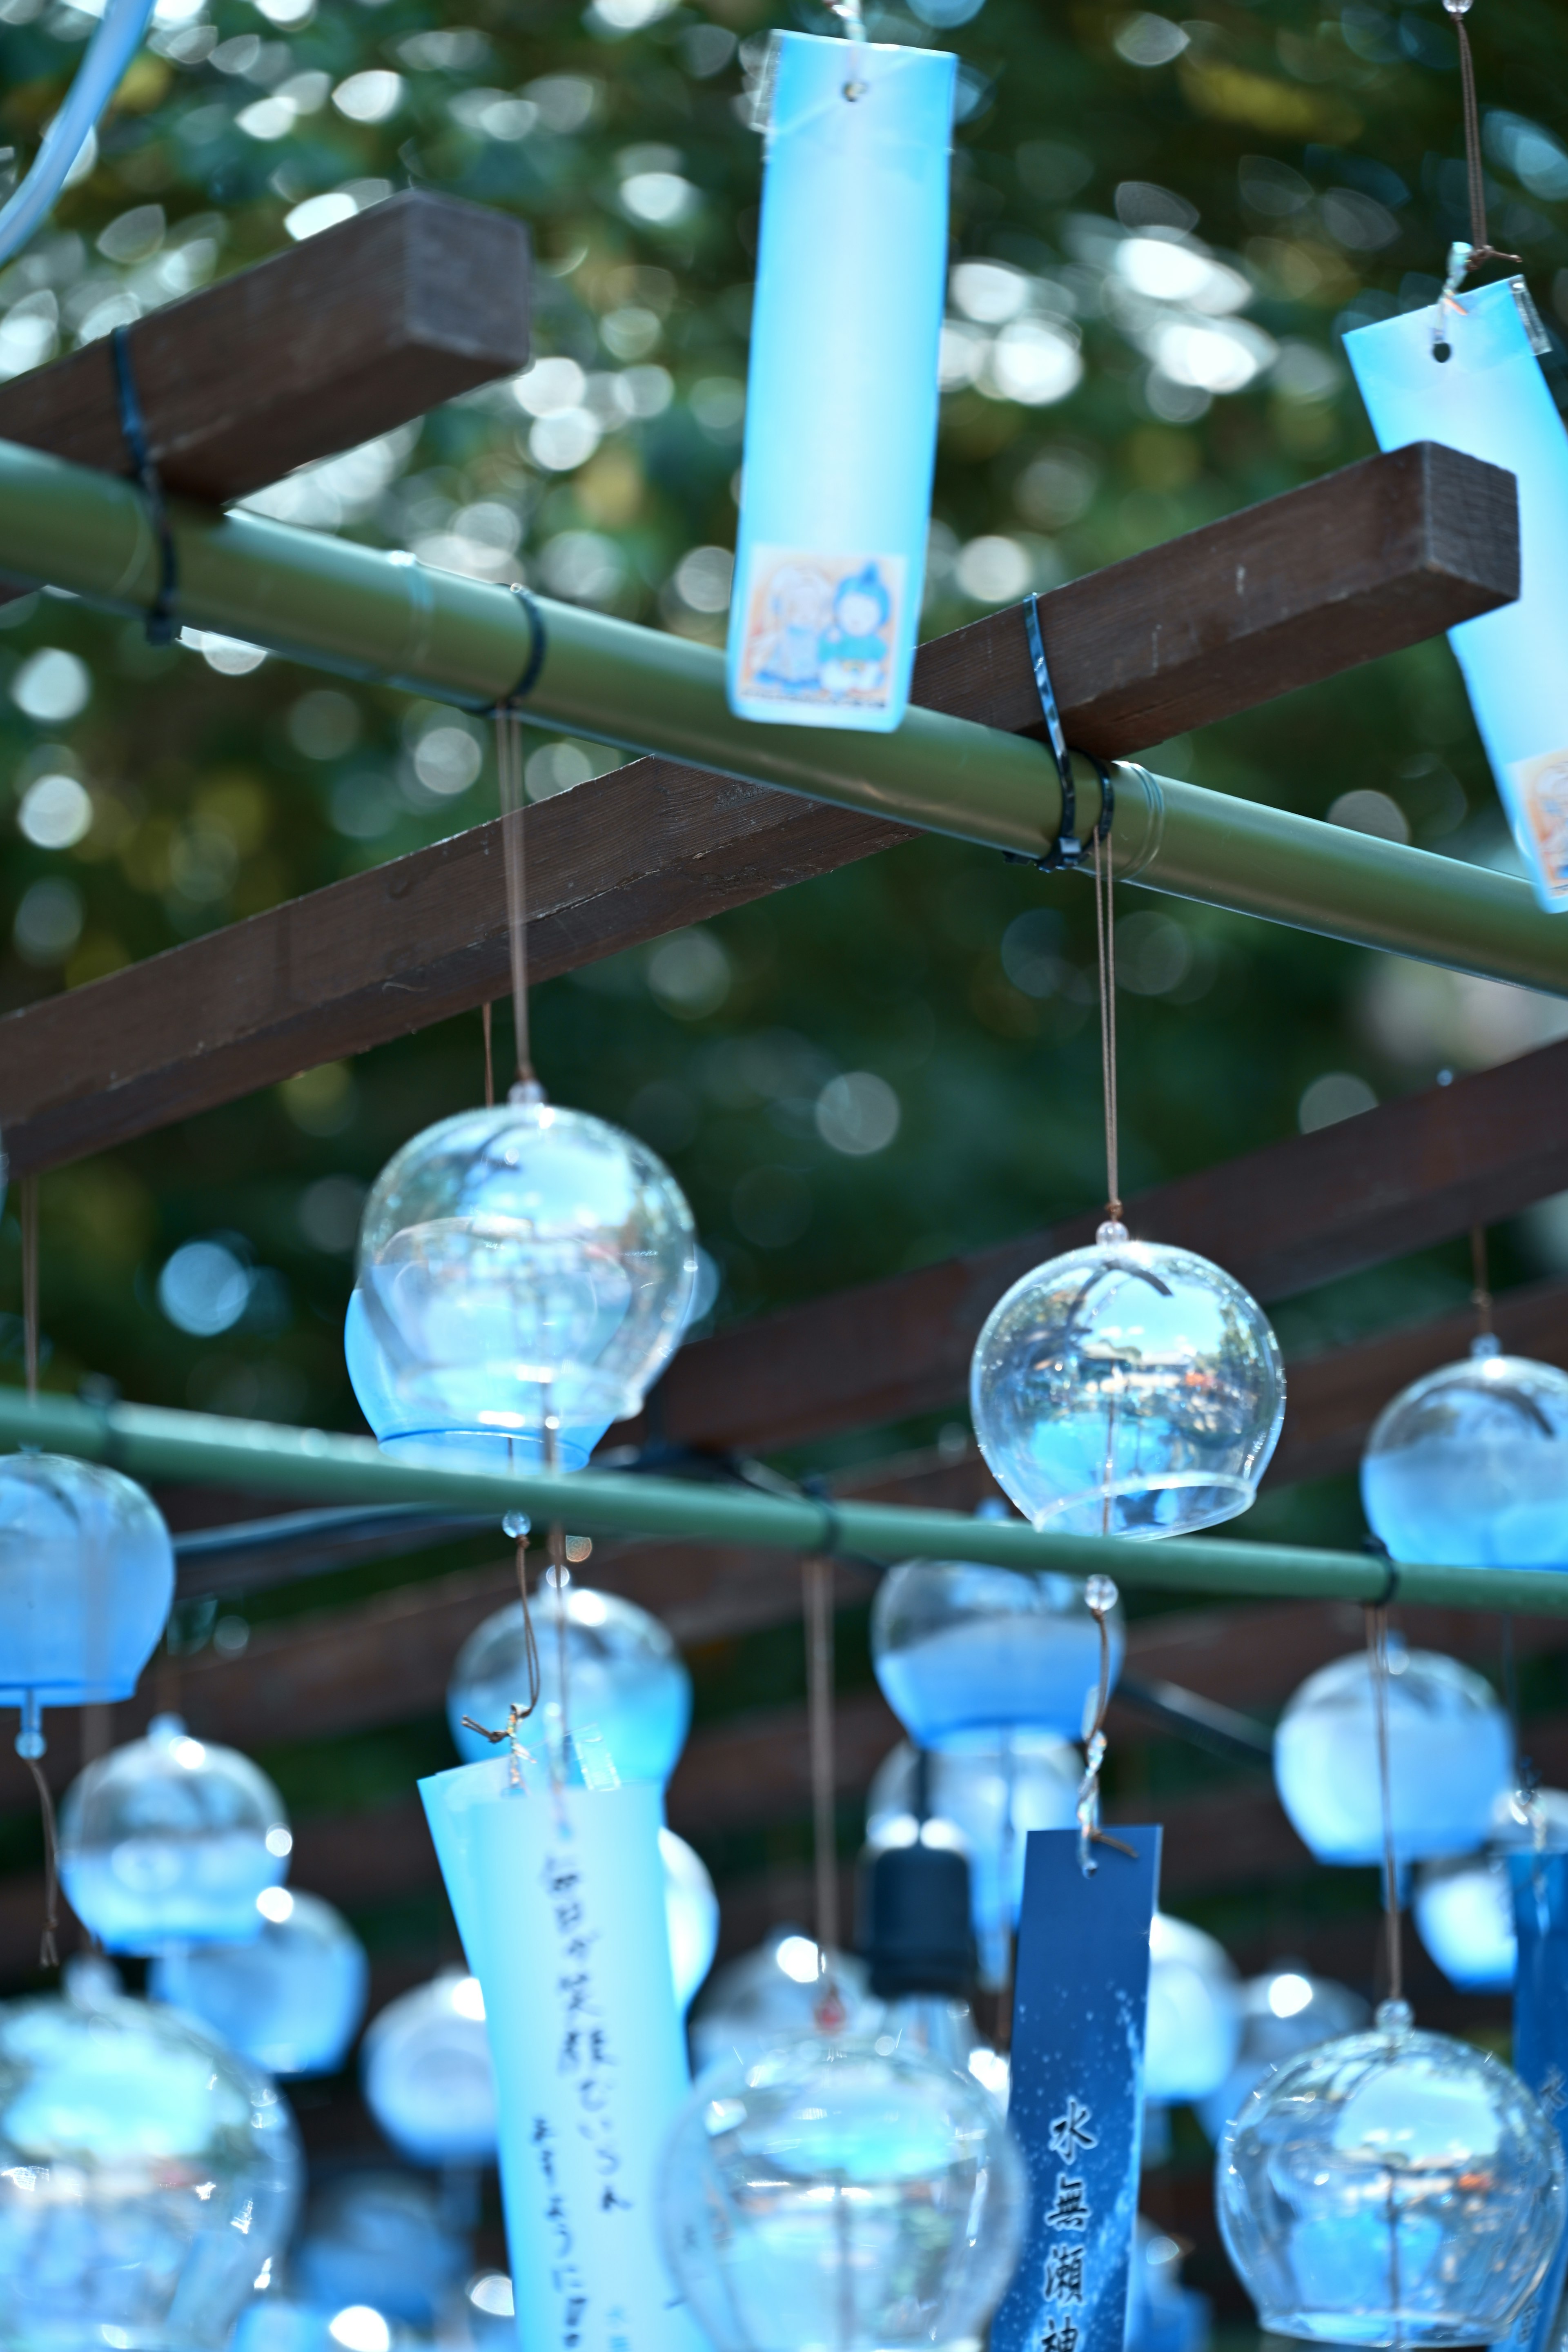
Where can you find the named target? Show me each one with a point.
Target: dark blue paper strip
(1077, 2104)
(1541, 2037)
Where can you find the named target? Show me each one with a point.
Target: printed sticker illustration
(1543, 787)
(821, 628)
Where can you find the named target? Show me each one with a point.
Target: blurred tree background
(1161, 230)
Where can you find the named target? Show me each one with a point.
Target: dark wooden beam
(1425, 539)
(1283, 595)
(351, 332)
(1282, 1219)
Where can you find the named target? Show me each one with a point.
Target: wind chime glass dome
(828, 2193)
(1464, 1908)
(291, 2000)
(691, 1912)
(1128, 1389)
(959, 1649)
(169, 1841)
(1195, 2012)
(1392, 2188)
(524, 1276)
(1468, 1468)
(623, 1679)
(768, 1997)
(1450, 1759)
(148, 2177)
(425, 2068)
(87, 1575)
(991, 1790)
(1282, 2014)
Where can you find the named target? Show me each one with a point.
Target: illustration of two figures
(821, 629)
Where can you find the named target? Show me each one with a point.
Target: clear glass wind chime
(1392, 2187)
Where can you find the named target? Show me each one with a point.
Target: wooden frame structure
(1366, 562)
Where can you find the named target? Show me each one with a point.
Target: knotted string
(816, 1591)
(1377, 1657)
(30, 1740)
(1101, 1594)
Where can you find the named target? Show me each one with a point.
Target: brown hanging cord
(1101, 1594)
(1481, 252)
(1377, 1659)
(28, 1190)
(485, 1013)
(1105, 942)
(509, 775)
(48, 1947)
(816, 1592)
(1481, 1291)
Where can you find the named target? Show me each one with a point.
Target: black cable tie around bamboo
(160, 624)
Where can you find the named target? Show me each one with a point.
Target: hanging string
(1481, 251)
(30, 1739)
(1105, 943)
(28, 1190)
(1480, 1293)
(1377, 1658)
(816, 1592)
(1101, 1596)
(486, 1021)
(509, 776)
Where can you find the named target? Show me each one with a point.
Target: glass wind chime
(1130, 1388)
(1467, 373)
(1391, 2186)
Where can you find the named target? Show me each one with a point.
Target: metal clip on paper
(1066, 851)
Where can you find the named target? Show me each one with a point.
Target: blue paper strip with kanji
(1540, 2036)
(1080, 2006)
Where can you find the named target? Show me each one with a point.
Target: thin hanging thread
(1482, 251)
(509, 776)
(560, 1577)
(485, 1012)
(29, 1209)
(816, 1588)
(1105, 942)
(1481, 1291)
(1377, 1657)
(1101, 1594)
(516, 1715)
(48, 1949)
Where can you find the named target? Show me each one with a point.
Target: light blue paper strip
(841, 396)
(1490, 400)
(559, 1899)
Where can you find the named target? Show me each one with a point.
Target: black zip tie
(1390, 1593)
(161, 621)
(538, 647)
(1066, 851)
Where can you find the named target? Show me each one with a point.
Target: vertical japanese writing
(1063, 2288)
(586, 2061)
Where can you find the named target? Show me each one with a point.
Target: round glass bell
(425, 2069)
(1464, 1908)
(148, 2177)
(170, 1841)
(1391, 2188)
(382, 2240)
(961, 1649)
(1128, 1389)
(1450, 1759)
(524, 1276)
(1468, 1468)
(991, 1791)
(291, 2000)
(87, 1575)
(1195, 2012)
(623, 1679)
(769, 1996)
(833, 2193)
(1282, 2014)
(692, 1910)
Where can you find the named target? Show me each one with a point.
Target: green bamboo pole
(351, 609)
(151, 1443)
